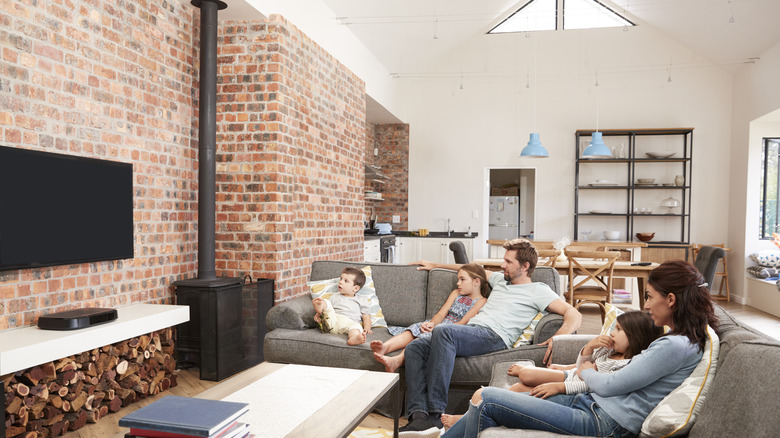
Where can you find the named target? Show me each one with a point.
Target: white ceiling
(400, 32)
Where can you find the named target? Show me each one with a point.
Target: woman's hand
(548, 389)
(585, 366)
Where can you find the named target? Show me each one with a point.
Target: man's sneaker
(422, 426)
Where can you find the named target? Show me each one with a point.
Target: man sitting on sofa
(513, 303)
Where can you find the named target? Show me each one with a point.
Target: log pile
(53, 398)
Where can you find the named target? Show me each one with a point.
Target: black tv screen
(61, 209)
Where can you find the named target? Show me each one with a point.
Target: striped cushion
(675, 415)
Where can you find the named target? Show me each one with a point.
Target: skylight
(577, 14)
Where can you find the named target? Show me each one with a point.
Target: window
(770, 188)
(577, 14)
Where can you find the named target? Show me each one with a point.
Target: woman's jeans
(575, 414)
(429, 362)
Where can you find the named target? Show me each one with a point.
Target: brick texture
(113, 81)
(392, 144)
(118, 81)
(291, 128)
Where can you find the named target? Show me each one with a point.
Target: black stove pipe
(207, 138)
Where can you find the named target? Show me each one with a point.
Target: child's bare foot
(378, 347)
(514, 370)
(449, 420)
(357, 339)
(391, 363)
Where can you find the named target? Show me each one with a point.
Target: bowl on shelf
(645, 180)
(659, 155)
(645, 237)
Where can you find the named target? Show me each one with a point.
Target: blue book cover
(185, 415)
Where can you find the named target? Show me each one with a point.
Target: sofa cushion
(677, 412)
(326, 288)
(401, 288)
(742, 402)
(769, 258)
(441, 282)
(610, 319)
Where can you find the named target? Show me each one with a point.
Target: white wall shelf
(27, 347)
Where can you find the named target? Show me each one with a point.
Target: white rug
(282, 400)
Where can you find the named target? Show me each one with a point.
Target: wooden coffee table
(290, 387)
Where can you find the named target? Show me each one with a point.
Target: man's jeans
(575, 414)
(429, 362)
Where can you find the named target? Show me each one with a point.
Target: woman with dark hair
(617, 404)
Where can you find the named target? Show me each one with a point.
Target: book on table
(184, 417)
(232, 430)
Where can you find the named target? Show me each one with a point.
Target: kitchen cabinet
(433, 249)
(629, 193)
(371, 251)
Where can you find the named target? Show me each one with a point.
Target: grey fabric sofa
(406, 295)
(742, 401)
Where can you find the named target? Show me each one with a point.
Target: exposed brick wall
(291, 132)
(113, 81)
(118, 81)
(392, 143)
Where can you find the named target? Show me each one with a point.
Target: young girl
(462, 304)
(634, 331)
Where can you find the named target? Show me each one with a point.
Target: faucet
(449, 228)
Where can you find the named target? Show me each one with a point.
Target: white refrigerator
(504, 218)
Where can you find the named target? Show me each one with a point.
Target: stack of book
(185, 417)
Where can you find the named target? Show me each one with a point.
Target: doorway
(511, 206)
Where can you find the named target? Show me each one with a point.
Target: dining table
(624, 269)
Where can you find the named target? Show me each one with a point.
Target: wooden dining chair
(590, 277)
(547, 256)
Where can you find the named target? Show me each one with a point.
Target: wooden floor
(190, 385)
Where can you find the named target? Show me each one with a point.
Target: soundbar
(76, 319)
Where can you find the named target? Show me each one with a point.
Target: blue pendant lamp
(597, 148)
(534, 148)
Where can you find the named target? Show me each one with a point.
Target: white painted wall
(756, 115)
(456, 133)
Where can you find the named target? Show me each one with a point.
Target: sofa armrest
(566, 348)
(547, 327)
(294, 314)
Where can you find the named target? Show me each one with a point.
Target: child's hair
(360, 277)
(477, 272)
(640, 331)
(524, 252)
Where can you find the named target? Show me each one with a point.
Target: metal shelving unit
(620, 204)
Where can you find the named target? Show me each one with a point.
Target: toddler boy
(343, 312)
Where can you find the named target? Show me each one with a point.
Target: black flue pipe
(207, 138)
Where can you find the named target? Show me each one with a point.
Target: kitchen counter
(437, 234)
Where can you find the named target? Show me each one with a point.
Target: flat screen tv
(60, 209)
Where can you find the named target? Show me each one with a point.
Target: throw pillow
(762, 271)
(768, 258)
(610, 319)
(677, 412)
(326, 288)
(527, 335)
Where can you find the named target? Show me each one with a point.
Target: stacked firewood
(53, 398)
